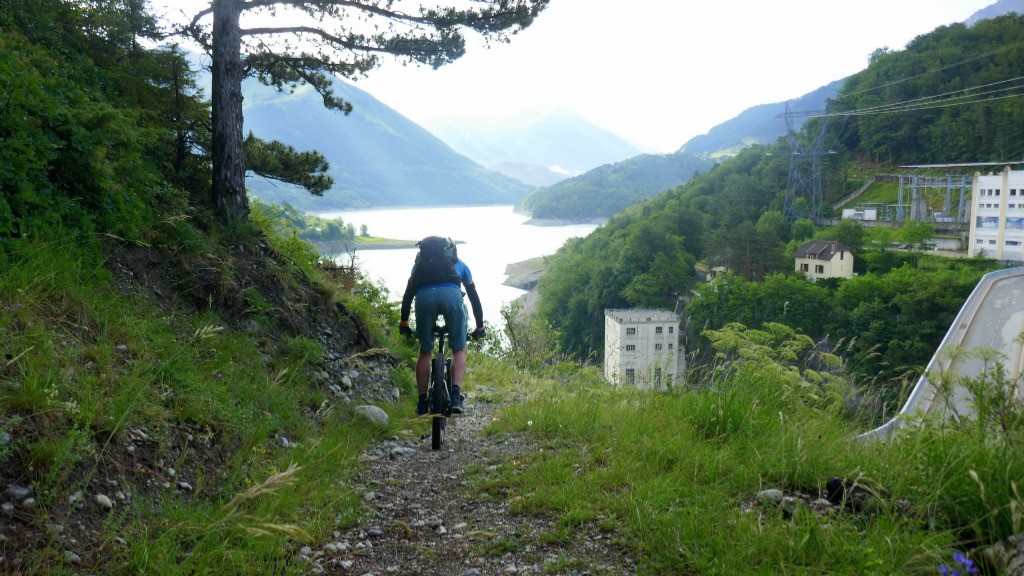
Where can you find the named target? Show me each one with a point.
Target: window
(630, 375)
(997, 192)
(979, 241)
(657, 376)
(630, 347)
(819, 268)
(991, 241)
(657, 346)
(1012, 243)
(658, 330)
(1013, 191)
(841, 254)
(804, 268)
(631, 331)
(670, 345)
(670, 329)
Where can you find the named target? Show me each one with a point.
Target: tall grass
(676, 473)
(81, 363)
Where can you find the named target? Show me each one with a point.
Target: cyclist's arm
(474, 301)
(407, 301)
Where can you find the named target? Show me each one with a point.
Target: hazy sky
(658, 72)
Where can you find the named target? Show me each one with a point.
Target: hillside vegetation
(608, 189)
(954, 93)
(178, 396)
(171, 393)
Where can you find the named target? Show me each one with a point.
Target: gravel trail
(411, 530)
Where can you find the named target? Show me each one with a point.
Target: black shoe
(456, 400)
(422, 405)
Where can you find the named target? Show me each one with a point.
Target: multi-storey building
(641, 347)
(997, 209)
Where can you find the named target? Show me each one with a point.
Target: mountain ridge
(378, 157)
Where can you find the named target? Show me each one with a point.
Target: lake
(490, 238)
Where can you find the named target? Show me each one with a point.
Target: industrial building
(641, 347)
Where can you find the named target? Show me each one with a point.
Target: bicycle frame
(439, 389)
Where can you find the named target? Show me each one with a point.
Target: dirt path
(409, 530)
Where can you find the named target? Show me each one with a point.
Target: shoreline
(341, 247)
(600, 221)
(531, 220)
(524, 275)
(344, 246)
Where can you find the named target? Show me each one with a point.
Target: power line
(919, 108)
(935, 71)
(937, 96)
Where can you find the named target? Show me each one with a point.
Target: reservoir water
(489, 237)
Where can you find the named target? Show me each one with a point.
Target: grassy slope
(93, 360)
(672, 478)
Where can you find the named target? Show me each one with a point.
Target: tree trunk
(228, 186)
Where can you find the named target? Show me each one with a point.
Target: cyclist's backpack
(435, 262)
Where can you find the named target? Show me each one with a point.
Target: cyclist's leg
(455, 318)
(426, 316)
(458, 367)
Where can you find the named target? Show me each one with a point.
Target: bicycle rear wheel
(437, 403)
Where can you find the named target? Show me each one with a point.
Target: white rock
(104, 501)
(373, 414)
(772, 495)
(19, 492)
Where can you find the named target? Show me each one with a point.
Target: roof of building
(641, 315)
(820, 249)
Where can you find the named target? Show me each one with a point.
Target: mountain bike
(439, 390)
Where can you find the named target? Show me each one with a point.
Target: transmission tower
(805, 165)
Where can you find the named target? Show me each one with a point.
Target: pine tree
(336, 37)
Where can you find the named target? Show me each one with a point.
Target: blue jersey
(461, 270)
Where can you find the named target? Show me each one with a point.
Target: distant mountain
(530, 173)
(377, 156)
(558, 140)
(998, 9)
(756, 125)
(605, 190)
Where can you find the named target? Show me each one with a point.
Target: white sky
(658, 72)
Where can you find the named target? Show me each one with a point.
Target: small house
(824, 259)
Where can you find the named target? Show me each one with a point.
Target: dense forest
(99, 133)
(952, 95)
(895, 313)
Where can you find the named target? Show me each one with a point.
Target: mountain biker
(434, 283)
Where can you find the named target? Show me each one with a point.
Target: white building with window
(997, 207)
(824, 259)
(641, 347)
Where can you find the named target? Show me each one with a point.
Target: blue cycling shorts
(434, 301)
